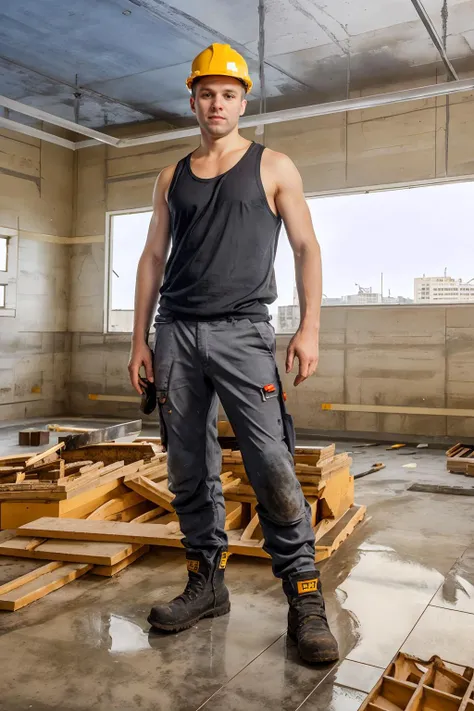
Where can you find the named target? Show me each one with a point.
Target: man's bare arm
(151, 267)
(292, 206)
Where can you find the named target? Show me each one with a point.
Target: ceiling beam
(32, 111)
(37, 133)
(435, 38)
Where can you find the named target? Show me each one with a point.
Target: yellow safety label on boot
(307, 586)
(193, 566)
(223, 563)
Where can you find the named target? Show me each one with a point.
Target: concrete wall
(412, 356)
(36, 197)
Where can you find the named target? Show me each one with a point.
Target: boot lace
(309, 608)
(193, 589)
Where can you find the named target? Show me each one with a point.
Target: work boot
(307, 621)
(205, 595)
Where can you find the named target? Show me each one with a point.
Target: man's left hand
(305, 346)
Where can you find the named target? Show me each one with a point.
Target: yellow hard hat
(220, 60)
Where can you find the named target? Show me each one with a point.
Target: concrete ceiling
(128, 59)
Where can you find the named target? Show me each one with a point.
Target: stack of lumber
(327, 484)
(460, 459)
(109, 511)
(60, 483)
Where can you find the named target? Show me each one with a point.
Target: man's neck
(211, 146)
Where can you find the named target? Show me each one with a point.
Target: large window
(8, 273)
(404, 246)
(127, 236)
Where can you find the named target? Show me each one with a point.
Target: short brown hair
(196, 81)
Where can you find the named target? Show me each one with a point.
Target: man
(221, 210)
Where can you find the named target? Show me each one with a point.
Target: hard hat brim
(195, 76)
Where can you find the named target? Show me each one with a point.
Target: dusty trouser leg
(188, 412)
(241, 363)
(188, 415)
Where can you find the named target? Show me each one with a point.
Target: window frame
(9, 278)
(362, 190)
(109, 248)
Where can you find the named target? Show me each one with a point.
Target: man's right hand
(140, 355)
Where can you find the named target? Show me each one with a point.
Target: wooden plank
(253, 531)
(76, 482)
(109, 453)
(331, 541)
(457, 464)
(53, 472)
(325, 525)
(131, 513)
(14, 513)
(83, 530)
(453, 450)
(233, 518)
(96, 553)
(28, 577)
(149, 515)
(75, 430)
(231, 485)
(323, 452)
(42, 455)
(21, 547)
(157, 493)
(439, 489)
(12, 478)
(398, 410)
(244, 499)
(116, 505)
(36, 589)
(154, 471)
(337, 496)
(14, 459)
(109, 570)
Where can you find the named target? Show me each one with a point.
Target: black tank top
(224, 237)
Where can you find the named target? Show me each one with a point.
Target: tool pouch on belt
(287, 419)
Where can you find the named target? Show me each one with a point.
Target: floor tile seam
(330, 671)
(451, 609)
(424, 612)
(234, 676)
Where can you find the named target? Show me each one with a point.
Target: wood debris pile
(99, 508)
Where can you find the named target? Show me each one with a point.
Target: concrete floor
(404, 580)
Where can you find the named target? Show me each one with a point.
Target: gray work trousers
(196, 363)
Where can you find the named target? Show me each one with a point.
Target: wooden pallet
(412, 684)
(460, 459)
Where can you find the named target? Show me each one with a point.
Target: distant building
(443, 290)
(289, 316)
(365, 297)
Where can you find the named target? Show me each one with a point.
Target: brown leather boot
(205, 595)
(307, 621)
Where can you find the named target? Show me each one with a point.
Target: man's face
(218, 103)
